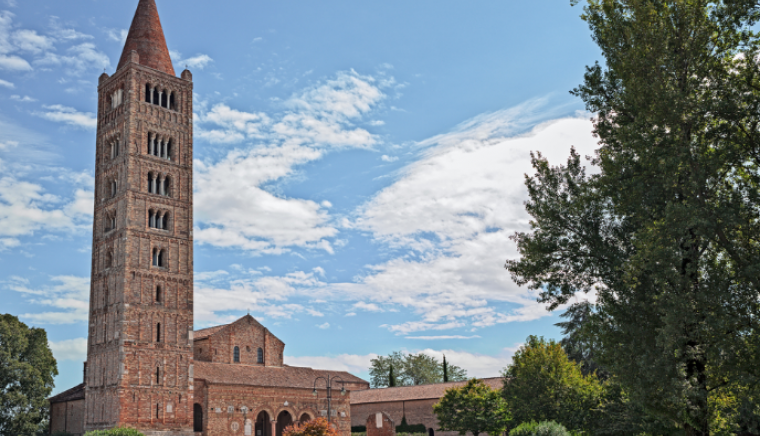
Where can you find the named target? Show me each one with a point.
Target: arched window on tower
(164, 99)
(151, 219)
(260, 355)
(158, 377)
(158, 332)
(155, 96)
(158, 294)
(172, 102)
(147, 93)
(236, 353)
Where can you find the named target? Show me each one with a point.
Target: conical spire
(146, 37)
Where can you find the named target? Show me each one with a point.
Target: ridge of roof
(266, 376)
(146, 37)
(418, 392)
(75, 393)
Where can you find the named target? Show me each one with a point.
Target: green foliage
(474, 408)
(577, 343)
(27, 368)
(542, 384)
(546, 428)
(61, 433)
(403, 369)
(121, 431)
(404, 427)
(666, 230)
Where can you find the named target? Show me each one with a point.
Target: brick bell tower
(139, 356)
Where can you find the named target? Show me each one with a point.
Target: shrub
(406, 428)
(524, 429)
(546, 428)
(115, 432)
(61, 433)
(315, 427)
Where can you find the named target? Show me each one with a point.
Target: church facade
(146, 367)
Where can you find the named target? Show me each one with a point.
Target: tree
(445, 370)
(411, 370)
(121, 431)
(666, 230)
(474, 408)
(576, 342)
(315, 427)
(391, 378)
(27, 369)
(542, 384)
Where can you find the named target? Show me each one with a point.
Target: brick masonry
(380, 424)
(146, 368)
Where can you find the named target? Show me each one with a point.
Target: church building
(146, 367)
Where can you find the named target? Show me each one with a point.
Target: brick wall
(246, 334)
(380, 424)
(222, 407)
(67, 416)
(416, 412)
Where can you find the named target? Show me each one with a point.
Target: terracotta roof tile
(204, 333)
(407, 393)
(268, 376)
(75, 393)
(146, 37)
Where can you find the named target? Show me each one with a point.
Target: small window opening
(158, 375)
(260, 355)
(158, 294)
(147, 93)
(172, 102)
(237, 355)
(158, 332)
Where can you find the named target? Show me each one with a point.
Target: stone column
(274, 428)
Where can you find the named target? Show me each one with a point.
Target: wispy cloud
(24, 99)
(69, 299)
(71, 349)
(7, 84)
(69, 116)
(199, 61)
(441, 338)
(233, 209)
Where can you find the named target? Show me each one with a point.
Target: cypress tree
(391, 378)
(445, 370)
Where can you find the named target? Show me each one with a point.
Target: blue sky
(359, 166)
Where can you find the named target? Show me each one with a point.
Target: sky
(359, 166)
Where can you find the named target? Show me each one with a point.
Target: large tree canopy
(411, 370)
(667, 231)
(27, 368)
(473, 408)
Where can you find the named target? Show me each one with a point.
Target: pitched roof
(75, 393)
(267, 376)
(407, 393)
(204, 333)
(146, 37)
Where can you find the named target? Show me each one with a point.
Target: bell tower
(139, 356)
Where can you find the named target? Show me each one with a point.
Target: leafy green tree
(411, 370)
(474, 408)
(542, 384)
(121, 431)
(27, 369)
(391, 378)
(576, 342)
(666, 230)
(546, 428)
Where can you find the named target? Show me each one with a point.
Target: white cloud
(387, 158)
(369, 307)
(24, 99)
(350, 314)
(210, 276)
(68, 34)
(118, 35)
(199, 61)
(345, 362)
(7, 145)
(14, 63)
(31, 41)
(69, 297)
(441, 338)
(233, 210)
(80, 59)
(25, 208)
(7, 84)
(70, 116)
(324, 326)
(71, 349)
